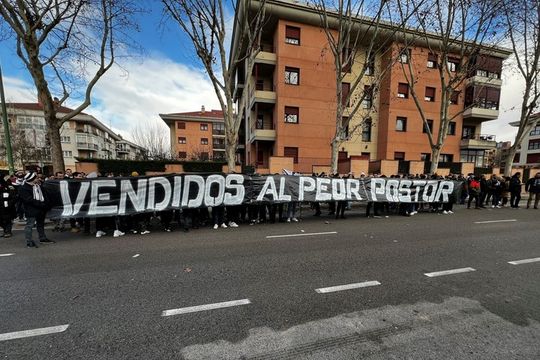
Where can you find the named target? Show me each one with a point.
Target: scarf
(38, 194)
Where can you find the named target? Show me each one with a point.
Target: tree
(456, 34)
(204, 22)
(359, 32)
(152, 136)
(523, 20)
(60, 42)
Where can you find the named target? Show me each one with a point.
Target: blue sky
(169, 78)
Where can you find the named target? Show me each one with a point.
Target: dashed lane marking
(347, 287)
(449, 272)
(4, 255)
(494, 221)
(33, 332)
(206, 307)
(524, 261)
(302, 234)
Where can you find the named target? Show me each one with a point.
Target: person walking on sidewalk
(533, 188)
(515, 190)
(35, 208)
(7, 206)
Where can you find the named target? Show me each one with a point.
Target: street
(431, 286)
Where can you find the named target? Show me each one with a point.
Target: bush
(126, 167)
(203, 166)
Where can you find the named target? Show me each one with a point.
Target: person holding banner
(35, 208)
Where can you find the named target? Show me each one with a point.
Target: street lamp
(9, 151)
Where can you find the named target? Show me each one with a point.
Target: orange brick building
(197, 135)
(291, 102)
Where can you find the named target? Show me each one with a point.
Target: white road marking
(10, 254)
(524, 261)
(449, 272)
(33, 332)
(136, 255)
(494, 221)
(206, 307)
(302, 234)
(347, 287)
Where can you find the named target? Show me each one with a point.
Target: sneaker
(118, 233)
(295, 219)
(445, 212)
(46, 241)
(144, 232)
(498, 206)
(216, 226)
(168, 229)
(223, 226)
(100, 233)
(414, 212)
(288, 219)
(233, 224)
(7, 235)
(450, 212)
(493, 206)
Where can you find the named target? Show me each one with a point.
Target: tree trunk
(334, 159)
(509, 160)
(231, 139)
(53, 134)
(435, 156)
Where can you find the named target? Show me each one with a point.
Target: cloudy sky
(167, 78)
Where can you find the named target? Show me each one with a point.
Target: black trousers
(515, 197)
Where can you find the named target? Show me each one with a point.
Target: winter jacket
(32, 207)
(515, 184)
(533, 185)
(7, 202)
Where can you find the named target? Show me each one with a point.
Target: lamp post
(7, 136)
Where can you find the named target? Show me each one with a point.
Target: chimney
(202, 109)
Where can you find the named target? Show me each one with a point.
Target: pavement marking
(494, 221)
(10, 254)
(136, 255)
(206, 307)
(449, 272)
(524, 261)
(33, 332)
(347, 287)
(302, 234)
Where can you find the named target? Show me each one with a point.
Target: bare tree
(523, 20)
(153, 137)
(60, 42)
(456, 33)
(205, 23)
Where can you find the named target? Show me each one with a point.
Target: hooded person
(7, 206)
(35, 208)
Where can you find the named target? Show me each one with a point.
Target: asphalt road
(276, 297)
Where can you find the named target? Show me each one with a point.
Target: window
(368, 97)
(401, 124)
(259, 122)
(454, 98)
(65, 139)
(468, 132)
(473, 156)
(403, 90)
(370, 66)
(67, 154)
(181, 125)
(534, 144)
(493, 75)
(452, 128)
(432, 61)
(347, 57)
(399, 155)
(182, 155)
(204, 127)
(292, 35)
(218, 129)
(425, 157)
(291, 152)
(345, 125)
(404, 56)
(429, 125)
(482, 73)
(181, 140)
(218, 155)
(446, 158)
(292, 76)
(366, 131)
(430, 94)
(345, 89)
(453, 65)
(292, 114)
(218, 143)
(259, 84)
(204, 141)
(204, 155)
(535, 131)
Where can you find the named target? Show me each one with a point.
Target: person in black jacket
(7, 206)
(35, 208)
(533, 188)
(515, 190)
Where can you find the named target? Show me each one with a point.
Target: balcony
(484, 80)
(87, 146)
(122, 150)
(266, 55)
(218, 146)
(479, 142)
(481, 114)
(265, 96)
(262, 135)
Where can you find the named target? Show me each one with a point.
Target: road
(275, 291)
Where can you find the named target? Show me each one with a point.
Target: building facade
(291, 99)
(529, 151)
(196, 135)
(82, 137)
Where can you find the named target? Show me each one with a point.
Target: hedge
(126, 167)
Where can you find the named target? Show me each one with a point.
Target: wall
(278, 163)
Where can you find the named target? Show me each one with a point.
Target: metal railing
(482, 137)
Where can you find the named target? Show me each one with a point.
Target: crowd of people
(23, 199)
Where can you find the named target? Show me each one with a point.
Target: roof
(218, 114)
(38, 107)
(532, 119)
(214, 116)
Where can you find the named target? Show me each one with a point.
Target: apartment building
(291, 101)
(82, 137)
(529, 152)
(197, 135)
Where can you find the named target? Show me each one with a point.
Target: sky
(167, 77)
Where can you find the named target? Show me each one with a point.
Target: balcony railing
(479, 137)
(218, 132)
(218, 146)
(478, 142)
(87, 146)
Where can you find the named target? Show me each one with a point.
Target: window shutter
(289, 110)
(403, 88)
(292, 32)
(430, 92)
(432, 57)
